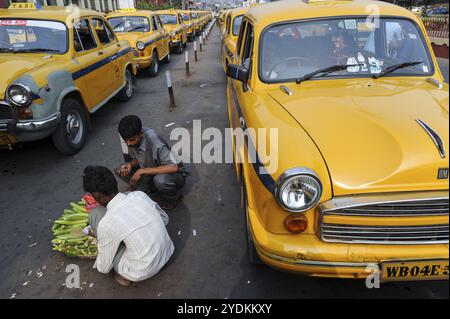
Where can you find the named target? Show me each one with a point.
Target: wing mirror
(237, 72)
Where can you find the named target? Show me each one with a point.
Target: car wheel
(70, 134)
(127, 92)
(252, 254)
(154, 66)
(168, 58)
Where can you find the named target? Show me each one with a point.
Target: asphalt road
(37, 183)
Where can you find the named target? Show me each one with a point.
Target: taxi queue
(59, 66)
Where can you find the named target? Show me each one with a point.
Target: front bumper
(308, 255)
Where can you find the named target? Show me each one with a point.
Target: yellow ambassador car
(188, 21)
(145, 32)
(173, 23)
(233, 22)
(197, 23)
(56, 69)
(360, 184)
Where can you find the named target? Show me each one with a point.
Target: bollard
(170, 88)
(200, 41)
(204, 40)
(195, 51)
(187, 63)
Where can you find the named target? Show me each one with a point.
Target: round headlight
(140, 45)
(298, 190)
(19, 95)
(173, 33)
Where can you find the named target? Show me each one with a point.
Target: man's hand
(125, 169)
(136, 177)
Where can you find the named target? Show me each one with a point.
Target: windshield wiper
(136, 28)
(37, 50)
(395, 67)
(329, 69)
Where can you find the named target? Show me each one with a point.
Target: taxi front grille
(434, 207)
(387, 218)
(430, 234)
(6, 112)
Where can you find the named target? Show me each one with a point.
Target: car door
(90, 72)
(164, 35)
(110, 49)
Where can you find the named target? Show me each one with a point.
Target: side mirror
(237, 72)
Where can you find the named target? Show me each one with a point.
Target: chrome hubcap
(74, 127)
(129, 85)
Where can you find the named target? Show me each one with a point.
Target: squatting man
(130, 229)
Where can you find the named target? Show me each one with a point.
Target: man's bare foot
(122, 281)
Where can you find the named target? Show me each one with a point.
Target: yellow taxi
(197, 22)
(145, 32)
(352, 180)
(173, 23)
(232, 24)
(188, 21)
(57, 68)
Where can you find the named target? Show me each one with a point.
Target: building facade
(98, 5)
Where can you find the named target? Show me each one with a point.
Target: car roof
(292, 10)
(238, 11)
(171, 11)
(47, 13)
(136, 13)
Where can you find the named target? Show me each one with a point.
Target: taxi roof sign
(24, 6)
(127, 10)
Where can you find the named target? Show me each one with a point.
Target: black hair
(99, 179)
(130, 126)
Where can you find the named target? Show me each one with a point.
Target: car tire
(127, 92)
(168, 58)
(153, 70)
(252, 254)
(69, 136)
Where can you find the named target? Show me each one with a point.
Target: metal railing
(436, 25)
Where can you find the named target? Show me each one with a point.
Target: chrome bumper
(31, 126)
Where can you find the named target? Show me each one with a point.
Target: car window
(248, 48)
(185, 17)
(83, 37)
(237, 25)
(292, 50)
(160, 24)
(23, 35)
(130, 24)
(228, 24)
(104, 34)
(168, 18)
(154, 24)
(240, 39)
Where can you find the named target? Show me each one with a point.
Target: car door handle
(101, 52)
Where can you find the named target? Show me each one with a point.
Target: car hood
(367, 133)
(132, 37)
(14, 65)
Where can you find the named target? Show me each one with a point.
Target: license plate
(414, 270)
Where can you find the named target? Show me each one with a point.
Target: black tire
(127, 92)
(168, 58)
(179, 48)
(252, 254)
(69, 136)
(153, 70)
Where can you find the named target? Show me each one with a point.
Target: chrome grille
(6, 112)
(430, 234)
(379, 209)
(435, 207)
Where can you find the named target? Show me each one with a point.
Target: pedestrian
(153, 168)
(130, 229)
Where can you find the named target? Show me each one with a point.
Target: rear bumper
(308, 255)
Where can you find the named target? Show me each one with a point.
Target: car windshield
(130, 24)
(194, 16)
(21, 35)
(293, 50)
(185, 17)
(237, 25)
(168, 18)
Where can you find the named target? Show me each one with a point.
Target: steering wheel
(286, 60)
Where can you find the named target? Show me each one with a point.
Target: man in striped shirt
(130, 229)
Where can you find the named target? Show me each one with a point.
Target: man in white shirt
(131, 233)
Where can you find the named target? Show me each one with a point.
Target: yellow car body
(52, 66)
(186, 16)
(151, 42)
(231, 34)
(221, 19)
(197, 22)
(177, 29)
(383, 202)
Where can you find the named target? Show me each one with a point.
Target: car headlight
(19, 95)
(173, 33)
(140, 45)
(298, 190)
